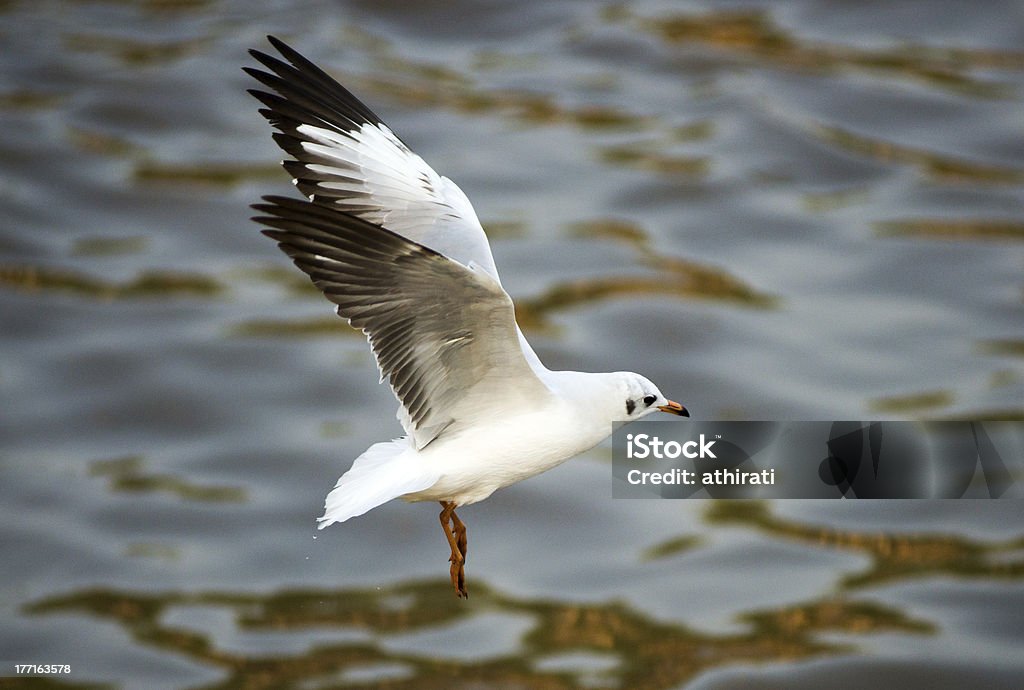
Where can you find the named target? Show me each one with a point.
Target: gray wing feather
(444, 335)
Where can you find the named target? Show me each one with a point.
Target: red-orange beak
(674, 408)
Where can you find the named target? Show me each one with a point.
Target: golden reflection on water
(128, 475)
(109, 246)
(981, 229)
(753, 35)
(648, 654)
(654, 160)
(530, 108)
(672, 277)
(1004, 346)
(637, 651)
(937, 167)
(28, 99)
(135, 52)
(204, 174)
(912, 402)
(672, 547)
(154, 283)
(94, 142)
(893, 556)
(420, 84)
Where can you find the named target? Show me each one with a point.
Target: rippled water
(804, 210)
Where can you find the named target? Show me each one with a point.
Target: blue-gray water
(802, 210)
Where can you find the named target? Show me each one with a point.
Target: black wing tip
(296, 59)
(271, 62)
(293, 56)
(272, 201)
(275, 207)
(280, 198)
(278, 44)
(278, 236)
(326, 89)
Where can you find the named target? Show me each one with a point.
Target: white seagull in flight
(401, 253)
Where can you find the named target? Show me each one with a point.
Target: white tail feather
(383, 472)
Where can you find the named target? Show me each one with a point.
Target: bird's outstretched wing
(344, 156)
(444, 334)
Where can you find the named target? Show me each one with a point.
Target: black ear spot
(649, 400)
(630, 406)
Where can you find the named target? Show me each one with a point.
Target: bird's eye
(649, 400)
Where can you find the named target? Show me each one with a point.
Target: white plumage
(400, 251)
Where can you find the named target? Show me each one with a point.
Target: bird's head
(640, 397)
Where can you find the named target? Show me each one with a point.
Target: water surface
(804, 210)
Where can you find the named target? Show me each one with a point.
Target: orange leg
(459, 528)
(455, 532)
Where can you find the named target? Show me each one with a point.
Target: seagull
(400, 252)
